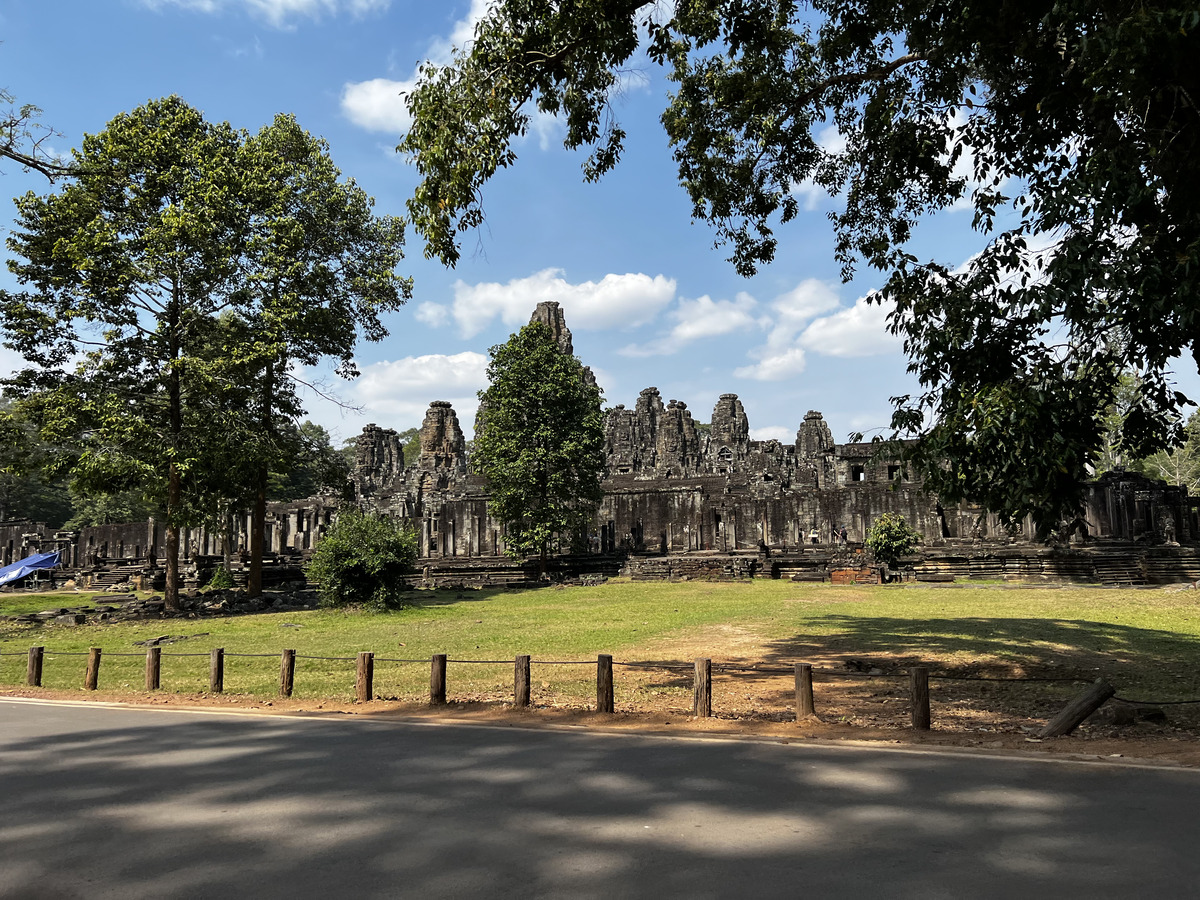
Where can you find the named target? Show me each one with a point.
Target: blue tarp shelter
(23, 567)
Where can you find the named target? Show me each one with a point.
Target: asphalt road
(106, 802)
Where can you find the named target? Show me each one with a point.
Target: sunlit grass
(1146, 640)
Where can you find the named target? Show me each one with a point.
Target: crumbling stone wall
(669, 487)
(672, 488)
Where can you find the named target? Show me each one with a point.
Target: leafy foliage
(1179, 467)
(221, 579)
(316, 466)
(890, 537)
(361, 559)
(185, 268)
(1069, 128)
(23, 138)
(109, 508)
(540, 442)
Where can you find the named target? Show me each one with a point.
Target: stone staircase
(1119, 569)
(109, 576)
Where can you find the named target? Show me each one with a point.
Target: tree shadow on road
(146, 803)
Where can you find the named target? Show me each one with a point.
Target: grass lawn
(1147, 642)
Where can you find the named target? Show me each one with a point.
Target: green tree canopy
(316, 467)
(540, 442)
(173, 282)
(1069, 126)
(27, 489)
(890, 537)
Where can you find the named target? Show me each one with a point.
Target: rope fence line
(1154, 702)
(666, 666)
(564, 662)
(394, 660)
(329, 658)
(919, 677)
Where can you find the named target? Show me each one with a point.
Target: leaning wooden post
(437, 680)
(919, 676)
(287, 672)
(521, 681)
(804, 692)
(216, 670)
(1079, 709)
(33, 666)
(702, 689)
(364, 678)
(604, 684)
(153, 668)
(92, 677)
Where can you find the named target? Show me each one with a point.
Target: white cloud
(279, 13)
(779, 358)
(809, 298)
(432, 314)
(378, 104)
(698, 319)
(615, 301)
(776, 366)
(401, 390)
(859, 330)
(773, 433)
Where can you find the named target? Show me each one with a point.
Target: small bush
(221, 579)
(891, 537)
(361, 560)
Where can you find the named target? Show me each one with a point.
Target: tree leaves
(539, 442)
(1086, 111)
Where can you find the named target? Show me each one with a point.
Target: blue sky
(648, 298)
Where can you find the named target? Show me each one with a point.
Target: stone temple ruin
(685, 499)
(695, 494)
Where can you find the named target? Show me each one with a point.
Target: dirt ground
(856, 699)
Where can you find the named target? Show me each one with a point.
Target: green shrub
(891, 537)
(361, 560)
(221, 579)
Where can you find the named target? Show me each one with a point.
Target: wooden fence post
(287, 672)
(33, 666)
(437, 680)
(521, 681)
(153, 668)
(702, 689)
(92, 677)
(216, 670)
(604, 684)
(919, 676)
(804, 692)
(364, 678)
(1079, 709)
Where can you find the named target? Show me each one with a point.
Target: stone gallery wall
(672, 485)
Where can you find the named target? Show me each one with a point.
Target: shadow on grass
(1013, 646)
(428, 599)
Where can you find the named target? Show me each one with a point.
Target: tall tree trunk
(227, 542)
(174, 494)
(258, 525)
(258, 517)
(174, 477)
